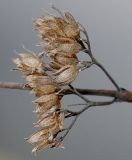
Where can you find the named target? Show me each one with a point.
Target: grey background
(102, 133)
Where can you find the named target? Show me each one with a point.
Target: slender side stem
(106, 73)
(89, 52)
(69, 128)
(92, 104)
(58, 10)
(102, 68)
(77, 93)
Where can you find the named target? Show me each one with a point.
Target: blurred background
(101, 133)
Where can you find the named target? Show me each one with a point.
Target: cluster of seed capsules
(59, 35)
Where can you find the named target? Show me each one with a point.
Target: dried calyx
(60, 43)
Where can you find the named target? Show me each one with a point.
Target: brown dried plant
(47, 80)
(62, 39)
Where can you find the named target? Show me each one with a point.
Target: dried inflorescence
(48, 105)
(60, 36)
(60, 42)
(30, 63)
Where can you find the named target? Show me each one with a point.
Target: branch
(13, 85)
(122, 95)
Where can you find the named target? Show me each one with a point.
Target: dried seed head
(61, 44)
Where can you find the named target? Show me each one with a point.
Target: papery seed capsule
(66, 74)
(47, 124)
(34, 80)
(70, 19)
(46, 118)
(38, 136)
(31, 60)
(30, 63)
(72, 31)
(41, 85)
(52, 22)
(44, 90)
(63, 60)
(45, 107)
(42, 145)
(53, 121)
(50, 98)
(66, 47)
(71, 47)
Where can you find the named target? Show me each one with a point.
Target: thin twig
(107, 74)
(58, 10)
(89, 51)
(77, 93)
(69, 128)
(92, 104)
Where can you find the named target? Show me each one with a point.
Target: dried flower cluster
(60, 43)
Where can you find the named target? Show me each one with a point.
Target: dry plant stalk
(62, 39)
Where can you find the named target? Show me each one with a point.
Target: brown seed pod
(46, 102)
(66, 74)
(39, 136)
(63, 60)
(44, 90)
(35, 80)
(52, 22)
(72, 30)
(54, 121)
(50, 99)
(51, 27)
(29, 63)
(64, 46)
(45, 107)
(50, 126)
(44, 144)
(46, 122)
(70, 19)
(41, 85)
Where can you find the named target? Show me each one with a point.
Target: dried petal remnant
(29, 63)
